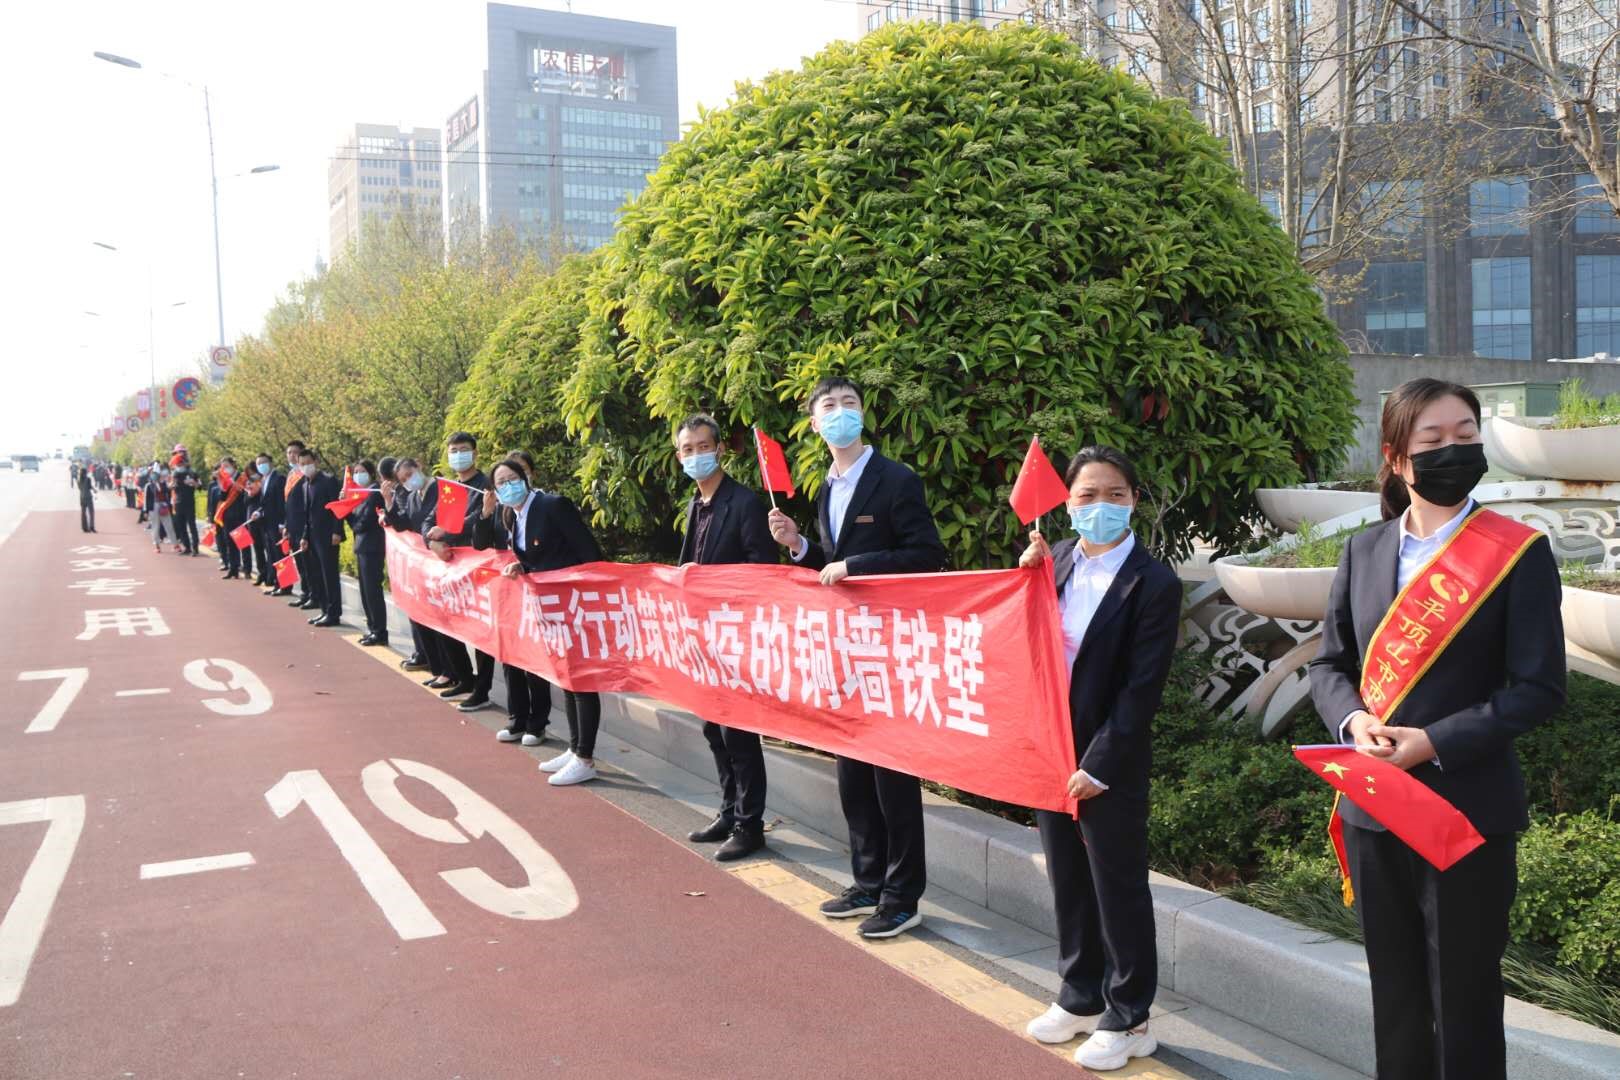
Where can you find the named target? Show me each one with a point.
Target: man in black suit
(461, 452)
(408, 499)
(272, 512)
(311, 595)
(323, 532)
(185, 501)
(871, 519)
(726, 523)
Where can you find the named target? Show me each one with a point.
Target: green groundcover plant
(997, 237)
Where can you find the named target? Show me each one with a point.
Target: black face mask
(1445, 475)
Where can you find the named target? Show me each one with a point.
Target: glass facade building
(573, 114)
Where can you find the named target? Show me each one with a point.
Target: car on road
(5, 463)
(28, 463)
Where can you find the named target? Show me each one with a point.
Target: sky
(104, 154)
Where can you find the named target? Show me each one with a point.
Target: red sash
(1426, 617)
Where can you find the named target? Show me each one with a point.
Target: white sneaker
(575, 772)
(1106, 1051)
(531, 739)
(1057, 1025)
(557, 763)
(506, 734)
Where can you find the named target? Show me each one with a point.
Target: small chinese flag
(286, 572)
(773, 466)
(451, 515)
(352, 496)
(208, 537)
(1395, 799)
(286, 546)
(1038, 488)
(242, 536)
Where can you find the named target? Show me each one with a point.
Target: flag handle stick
(764, 474)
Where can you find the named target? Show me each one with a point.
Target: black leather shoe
(327, 620)
(712, 833)
(413, 663)
(367, 639)
(313, 619)
(379, 639)
(744, 840)
(456, 690)
(309, 605)
(295, 603)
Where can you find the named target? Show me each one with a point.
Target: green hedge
(997, 237)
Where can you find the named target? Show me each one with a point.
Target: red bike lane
(395, 894)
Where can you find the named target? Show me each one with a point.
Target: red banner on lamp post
(957, 678)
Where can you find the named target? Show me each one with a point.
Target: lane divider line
(200, 865)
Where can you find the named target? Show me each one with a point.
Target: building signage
(462, 124)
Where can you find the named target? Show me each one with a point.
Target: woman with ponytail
(1442, 644)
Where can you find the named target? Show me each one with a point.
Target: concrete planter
(1286, 508)
(1592, 621)
(1555, 454)
(1276, 592)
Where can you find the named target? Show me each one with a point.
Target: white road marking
(142, 693)
(198, 865)
(258, 695)
(73, 680)
(400, 904)
(23, 925)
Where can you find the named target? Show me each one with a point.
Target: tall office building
(573, 113)
(1509, 252)
(376, 172)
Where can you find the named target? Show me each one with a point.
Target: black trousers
(185, 527)
(1098, 866)
(484, 679)
(739, 759)
(129, 497)
(528, 700)
(261, 548)
(87, 515)
(230, 556)
(371, 591)
(584, 712)
(884, 811)
(427, 648)
(325, 562)
(458, 665)
(247, 556)
(1434, 951)
(309, 576)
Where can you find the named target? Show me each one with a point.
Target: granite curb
(1293, 982)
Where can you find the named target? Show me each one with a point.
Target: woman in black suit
(1435, 938)
(370, 554)
(1121, 610)
(545, 532)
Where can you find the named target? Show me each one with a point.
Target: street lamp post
(213, 180)
(151, 342)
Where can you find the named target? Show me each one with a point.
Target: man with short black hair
(726, 523)
(184, 482)
(310, 593)
(461, 453)
(322, 533)
(408, 499)
(871, 518)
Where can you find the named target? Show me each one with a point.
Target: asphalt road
(233, 846)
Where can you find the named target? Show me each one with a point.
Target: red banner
(957, 678)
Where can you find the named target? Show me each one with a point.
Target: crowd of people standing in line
(1437, 996)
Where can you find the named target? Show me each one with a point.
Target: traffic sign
(222, 355)
(133, 423)
(186, 391)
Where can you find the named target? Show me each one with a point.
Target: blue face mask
(416, 482)
(1100, 522)
(361, 479)
(841, 427)
(263, 467)
(460, 460)
(701, 466)
(512, 492)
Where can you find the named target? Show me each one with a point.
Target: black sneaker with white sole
(889, 922)
(474, 703)
(851, 902)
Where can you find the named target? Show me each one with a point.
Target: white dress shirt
(522, 528)
(1082, 595)
(1415, 553)
(840, 490)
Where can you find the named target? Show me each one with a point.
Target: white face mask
(309, 471)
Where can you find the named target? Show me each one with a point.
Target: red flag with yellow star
(1404, 805)
(451, 515)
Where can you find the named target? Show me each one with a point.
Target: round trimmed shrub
(995, 236)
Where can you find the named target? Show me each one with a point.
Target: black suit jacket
(1118, 676)
(412, 508)
(367, 530)
(738, 529)
(1501, 676)
(887, 529)
(273, 502)
(320, 524)
(294, 517)
(555, 535)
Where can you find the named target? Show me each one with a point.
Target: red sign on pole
(143, 404)
(118, 425)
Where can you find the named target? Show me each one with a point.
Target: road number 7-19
(549, 893)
